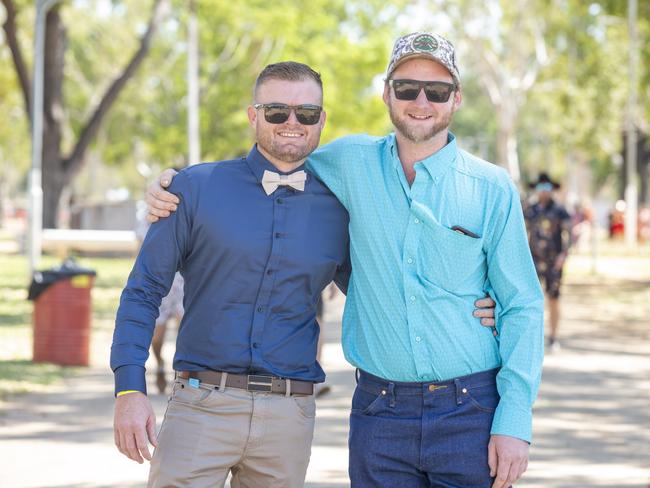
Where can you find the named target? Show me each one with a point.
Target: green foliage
(22, 376)
(347, 43)
(575, 109)
(14, 140)
(583, 91)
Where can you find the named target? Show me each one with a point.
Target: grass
(17, 372)
(22, 376)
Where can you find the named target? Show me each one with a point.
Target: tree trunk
(507, 154)
(53, 186)
(53, 169)
(644, 168)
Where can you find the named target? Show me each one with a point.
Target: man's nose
(422, 98)
(293, 120)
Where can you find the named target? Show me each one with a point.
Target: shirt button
(277, 235)
(409, 260)
(260, 309)
(280, 201)
(256, 345)
(269, 271)
(412, 298)
(417, 221)
(418, 339)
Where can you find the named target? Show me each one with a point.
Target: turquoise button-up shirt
(408, 314)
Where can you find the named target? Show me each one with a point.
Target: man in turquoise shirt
(432, 228)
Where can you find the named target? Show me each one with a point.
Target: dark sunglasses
(278, 113)
(436, 91)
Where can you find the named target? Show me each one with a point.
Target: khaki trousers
(263, 439)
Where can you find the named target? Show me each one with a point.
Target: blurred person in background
(322, 389)
(549, 235)
(616, 220)
(582, 226)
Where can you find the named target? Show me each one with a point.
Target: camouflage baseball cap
(424, 45)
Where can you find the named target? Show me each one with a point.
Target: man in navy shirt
(257, 240)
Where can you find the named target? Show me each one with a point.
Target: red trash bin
(62, 315)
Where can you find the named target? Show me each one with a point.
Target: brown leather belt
(250, 382)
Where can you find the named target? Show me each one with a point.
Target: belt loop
(459, 398)
(222, 383)
(288, 383)
(391, 392)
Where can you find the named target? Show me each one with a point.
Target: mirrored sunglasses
(278, 113)
(436, 91)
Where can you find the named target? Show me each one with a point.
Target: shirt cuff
(513, 421)
(130, 377)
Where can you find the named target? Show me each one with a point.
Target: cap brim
(430, 57)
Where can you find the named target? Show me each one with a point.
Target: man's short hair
(288, 71)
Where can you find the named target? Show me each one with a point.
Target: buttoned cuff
(130, 377)
(513, 421)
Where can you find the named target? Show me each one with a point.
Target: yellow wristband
(126, 392)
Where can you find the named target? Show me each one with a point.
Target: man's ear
(458, 99)
(323, 117)
(252, 116)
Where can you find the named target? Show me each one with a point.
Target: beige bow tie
(271, 181)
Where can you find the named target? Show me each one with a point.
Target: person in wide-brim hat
(549, 234)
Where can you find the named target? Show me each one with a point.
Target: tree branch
(491, 78)
(540, 59)
(74, 162)
(16, 53)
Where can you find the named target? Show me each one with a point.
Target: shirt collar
(258, 164)
(437, 163)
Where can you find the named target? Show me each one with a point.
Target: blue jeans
(412, 435)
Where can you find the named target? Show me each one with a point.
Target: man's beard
(287, 153)
(417, 134)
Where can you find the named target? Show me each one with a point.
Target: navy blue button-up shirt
(254, 267)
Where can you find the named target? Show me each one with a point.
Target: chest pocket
(451, 260)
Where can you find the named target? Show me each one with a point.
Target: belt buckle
(259, 383)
